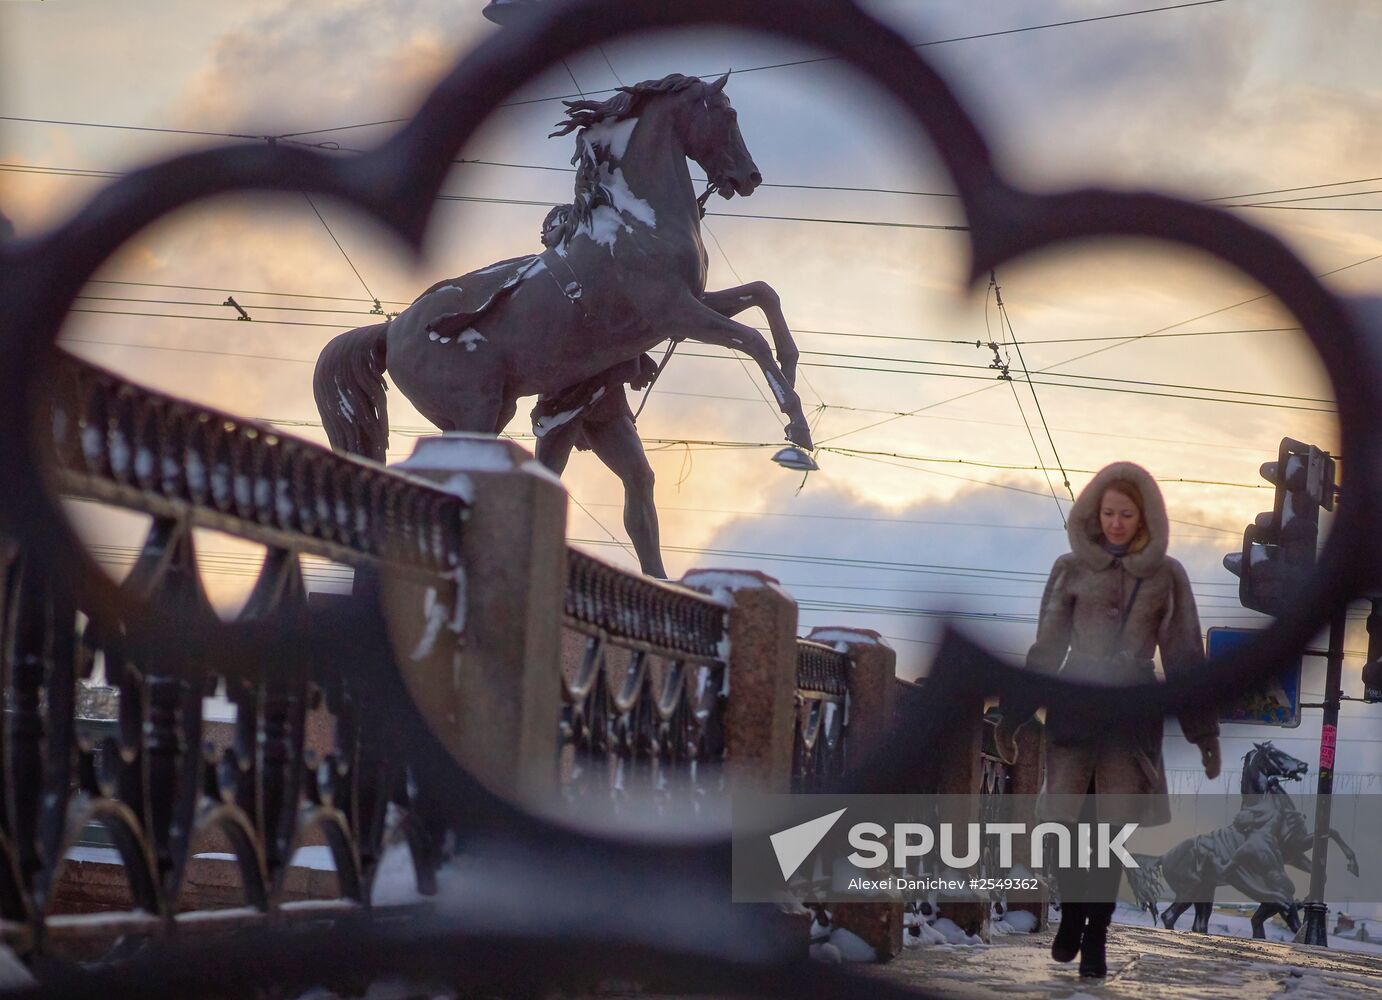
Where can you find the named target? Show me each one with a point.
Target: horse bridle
(710, 188)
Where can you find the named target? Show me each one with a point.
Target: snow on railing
(124, 444)
(643, 711)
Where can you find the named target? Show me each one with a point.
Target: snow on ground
(851, 947)
(1240, 925)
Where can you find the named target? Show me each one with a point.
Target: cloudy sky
(947, 508)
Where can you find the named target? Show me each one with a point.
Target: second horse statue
(627, 271)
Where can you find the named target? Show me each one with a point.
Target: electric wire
(317, 212)
(1139, 337)
(814, 364)
(1017, 401)
(1027, 376)
(1003, 486)
(802, 62)
(547, 204)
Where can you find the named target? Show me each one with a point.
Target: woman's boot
(1094, 943)
(1072, 926)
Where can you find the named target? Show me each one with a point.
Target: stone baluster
(872, 682)
(480, 650)
(762, 676)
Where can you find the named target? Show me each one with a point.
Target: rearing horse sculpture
(627, 272)
(1252, 853)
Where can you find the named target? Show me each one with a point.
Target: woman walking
(1112, 601)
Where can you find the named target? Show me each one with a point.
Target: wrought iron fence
(161, 645)
(126, 445)
(819, 737)
(643, 703)
(153, 781)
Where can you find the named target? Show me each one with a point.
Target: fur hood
(1083, 524)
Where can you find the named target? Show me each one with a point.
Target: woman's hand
(1209, 757)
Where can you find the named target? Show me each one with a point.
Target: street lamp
(792, 457)
(506, 12)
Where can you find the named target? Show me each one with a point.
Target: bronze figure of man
(594, 415)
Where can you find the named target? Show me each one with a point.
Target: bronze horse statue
(626, 271)
(1251, 854)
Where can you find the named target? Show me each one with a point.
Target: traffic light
(1279, 546)
(1372, 670)
(1372, 681)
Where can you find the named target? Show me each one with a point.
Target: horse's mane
(626, 103)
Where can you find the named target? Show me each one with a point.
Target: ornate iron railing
(643, 700)
(822, 716)
(158, 788)
(126, 445)
(995, 784)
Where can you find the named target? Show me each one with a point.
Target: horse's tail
(349, 388)
(1149, 863)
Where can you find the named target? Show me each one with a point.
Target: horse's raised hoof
(800, 435)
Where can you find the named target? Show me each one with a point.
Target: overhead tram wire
(1027, 375)
(803, 62)
(1004, 374)
(722, 358)
(799, 330)
(921, 522)
(924, 569)
(760, 217)
(1302, 187)
(673, 392)
(253, 560)
(98, 174)
(1292, 201)
(740, 278)
(830, 354)
(1213, 312)
(1261, 401)
(1139, 337)
(378, 307)
(605, 56)
(1011, 489)
(414, 431)
(827, 354)
(319, 310)
(239, 291)
(1314, 208)
(130, 128)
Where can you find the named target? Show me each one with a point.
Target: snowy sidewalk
(1143, 962)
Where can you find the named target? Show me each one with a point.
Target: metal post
(1315, 909)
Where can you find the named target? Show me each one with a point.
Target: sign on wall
(1277, 703)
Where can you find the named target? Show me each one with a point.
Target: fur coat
(1078, 637)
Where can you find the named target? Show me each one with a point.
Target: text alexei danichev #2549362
(927, 883)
